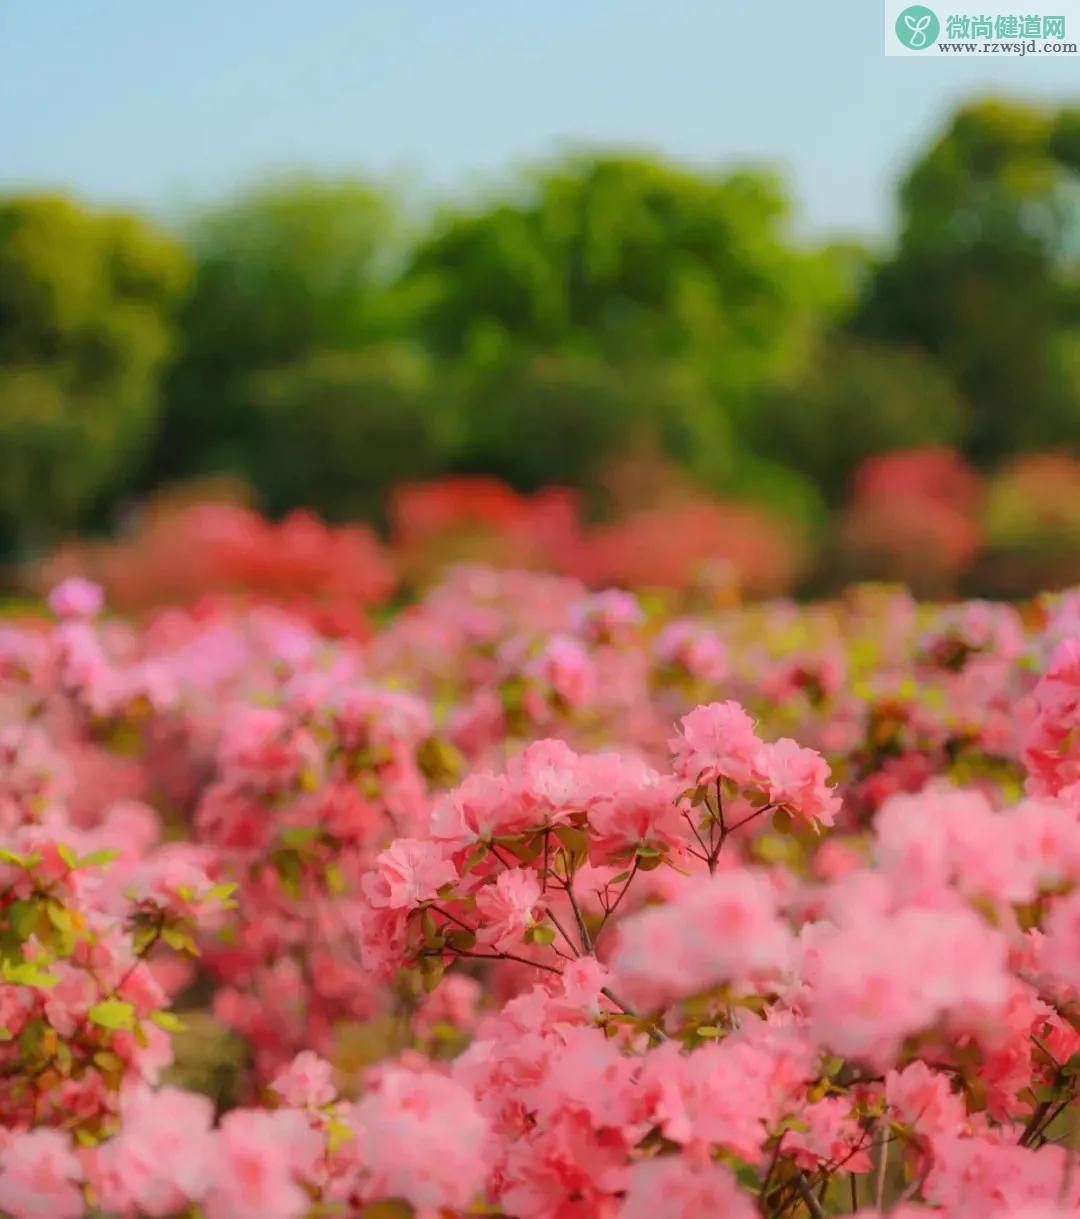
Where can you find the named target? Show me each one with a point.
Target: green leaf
(474, 857)
(22, 915)
(338, 1132)
(298, 835)
(108, 1061)
(574, 841)
(112, 1014)
(169, 1021)
(387, 1208)
(335, 882)
(64, 1057)
(20, 861)
(179, 939)
(431, 972)
(97, 859)
(143, 937)
(747, 1176)
(27, 973)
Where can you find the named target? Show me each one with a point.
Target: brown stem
(562, 931)
(499, 956)
(615, 904)
(655, 1032)
(583, 931)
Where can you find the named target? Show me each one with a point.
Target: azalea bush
(542, 903)
(912, 516)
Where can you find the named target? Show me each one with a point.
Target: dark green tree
(563, 418)
(283, 272)
(610, 303)
(86, 324)
(985, 275)
(855, 398)
(337, 430)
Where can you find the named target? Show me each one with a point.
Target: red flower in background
(326, 575)
(912, 517)
(456, 519)
(698, 542)
(937, 474)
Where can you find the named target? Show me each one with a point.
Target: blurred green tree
(86, 323)
(634, 263)
(986, 275)
(337, 430)
(564, 418)
(285, 271)
(855, 398)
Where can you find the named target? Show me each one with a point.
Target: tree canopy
(312, 338)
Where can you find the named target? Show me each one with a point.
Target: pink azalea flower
(76, 598)
(695, 648)
(480, 807)
(253, 1166)
(507, 908)
(924, 1100)
(306, 1083)
(720, 929)
(796, 779)
(160, 1160)
(717, 741)
(421, 1137)
(408, 872)
(677, 1187)
(39, 1177)
(567, 669)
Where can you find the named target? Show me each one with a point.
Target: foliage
(858, 398)
(283, 272)
(619, 257)
(1032, 520)
(338, 431)
(86, 305)
(565, 419)
(985, 276)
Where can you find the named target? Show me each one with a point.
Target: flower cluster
(543, 904)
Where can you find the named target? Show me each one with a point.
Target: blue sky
(170, 105)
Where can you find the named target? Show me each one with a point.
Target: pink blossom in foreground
(421, 1138)
(673, 1187)
(717, 742)
(253, 1168)
(723, 929)
(39, 1176)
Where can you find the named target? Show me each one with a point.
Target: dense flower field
(542, 903)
